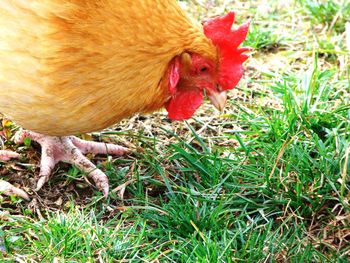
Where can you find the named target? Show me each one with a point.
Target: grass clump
(334, 14)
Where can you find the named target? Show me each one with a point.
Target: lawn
(267, 180)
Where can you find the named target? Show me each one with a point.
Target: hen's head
(192, 75)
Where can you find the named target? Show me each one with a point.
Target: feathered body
(75, 66)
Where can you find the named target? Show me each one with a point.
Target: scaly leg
(5, 187)
(70, 149)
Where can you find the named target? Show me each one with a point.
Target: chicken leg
(69, 149)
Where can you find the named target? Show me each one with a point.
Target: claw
(7, 155)
(8, 189)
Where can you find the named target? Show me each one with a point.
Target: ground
(267, 180)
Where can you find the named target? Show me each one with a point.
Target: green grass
(333, 14)
(267, 181)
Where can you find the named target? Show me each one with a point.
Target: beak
(218, 99)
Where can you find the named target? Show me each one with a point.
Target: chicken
(75, 66)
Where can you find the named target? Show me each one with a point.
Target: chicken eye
(204, 69)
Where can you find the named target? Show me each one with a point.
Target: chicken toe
(70, 149)
(7, 155)
(5, 187)
(8, 189)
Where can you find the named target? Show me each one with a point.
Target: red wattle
(183, 104)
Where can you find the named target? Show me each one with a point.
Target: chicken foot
(69, 149)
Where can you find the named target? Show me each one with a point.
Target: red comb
(227, 40)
